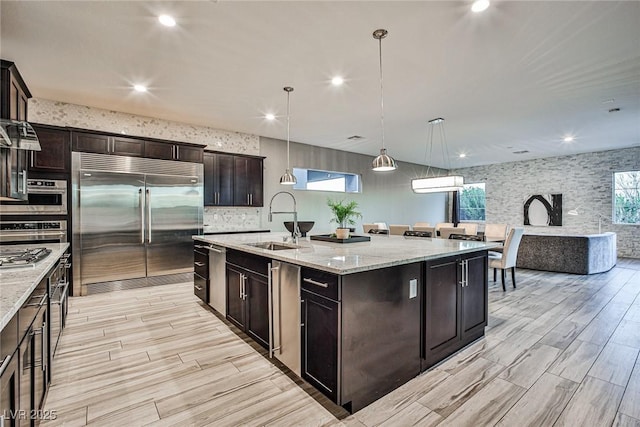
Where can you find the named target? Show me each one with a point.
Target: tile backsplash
(231, 219)
(64, 114)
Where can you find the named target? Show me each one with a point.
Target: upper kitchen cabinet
(171, 151)
(55, 156)
(218, 179)
(107, 144)
(14, 94)
(247, 185)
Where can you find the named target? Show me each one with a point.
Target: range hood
(18, 136)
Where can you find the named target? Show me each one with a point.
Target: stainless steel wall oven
(44, 197)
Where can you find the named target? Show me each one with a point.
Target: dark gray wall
(386, 196)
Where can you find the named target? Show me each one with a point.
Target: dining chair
(495, 232)
(378, 231)
(508, 257)
(469, 228)
(445, 232)
(422, 224)
(382, 225)
(398, 230)
(444, 224)
(431, 230)
(367, 227)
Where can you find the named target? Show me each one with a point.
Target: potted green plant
(344, 214)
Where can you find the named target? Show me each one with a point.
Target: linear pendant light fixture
(437, 184)
(383, 162)
(288, 178)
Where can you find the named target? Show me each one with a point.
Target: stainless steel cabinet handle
(201, 247)
(211, 248)
(177, 152)
(5, 363)
(31, 161)
(141, 216)
(199, 264)
(43, 347)
(198, 287)
(251, 198)
(149, 215)
(313, 282)
(270, 300)
(43, 299)
(467, 275)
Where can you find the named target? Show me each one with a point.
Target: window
(318, 180)
(472, 202)
(626, 197)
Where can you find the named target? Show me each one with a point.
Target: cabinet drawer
(321, 283)
(201, 264)
(200, 287)
(255, 263)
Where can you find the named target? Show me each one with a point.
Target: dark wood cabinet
(171, 151)
(247, 294)
(455, 305)
(14, 94)
(248, 181)
(320, 317)
(201, 271)
(55, 154)
(218, 179)
(107, 144)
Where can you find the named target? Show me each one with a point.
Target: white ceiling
(519, 76)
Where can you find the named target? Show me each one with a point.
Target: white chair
(367, 227)
(382, 225)
(469, 228)
(508, 257)
(495, 232)
(422, 224)
(398, 230)
(445, 232)
(443, 224)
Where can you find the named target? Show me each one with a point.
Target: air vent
(355, 138)
(521, 152)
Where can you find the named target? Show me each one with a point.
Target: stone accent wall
(584, 180)
(79, 116)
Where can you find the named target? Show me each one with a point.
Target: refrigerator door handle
(148, 216)
(141, 216)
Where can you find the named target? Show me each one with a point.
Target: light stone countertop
(346, 258)
(17, 283)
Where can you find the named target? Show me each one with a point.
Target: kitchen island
(355, 320)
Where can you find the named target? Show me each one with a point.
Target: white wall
(385, 196)
(584, 180)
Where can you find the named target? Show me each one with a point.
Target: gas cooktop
(22, 258)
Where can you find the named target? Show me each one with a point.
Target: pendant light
(383, 162)
(288, 178)
(437, 184)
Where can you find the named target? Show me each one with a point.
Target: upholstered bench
(584, 254)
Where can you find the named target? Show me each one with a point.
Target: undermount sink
(273, 246)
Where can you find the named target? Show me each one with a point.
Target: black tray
(352, 239)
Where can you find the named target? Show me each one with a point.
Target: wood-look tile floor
(559, 350)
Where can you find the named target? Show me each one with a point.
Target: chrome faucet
(296, 231)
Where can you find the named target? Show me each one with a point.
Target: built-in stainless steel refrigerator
(133, 219)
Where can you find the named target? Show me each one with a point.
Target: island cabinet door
(441, 309)
(320, 319)
(475, 305)
(257, 308)
(235, 296)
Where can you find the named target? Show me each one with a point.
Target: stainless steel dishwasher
(218, 279)
(284, 314)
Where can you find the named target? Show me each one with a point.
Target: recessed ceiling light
(269, 116)
(568, 138)
(139, 88)
(462, 155)
(167, 20)
(337, 81)
(479, 5)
